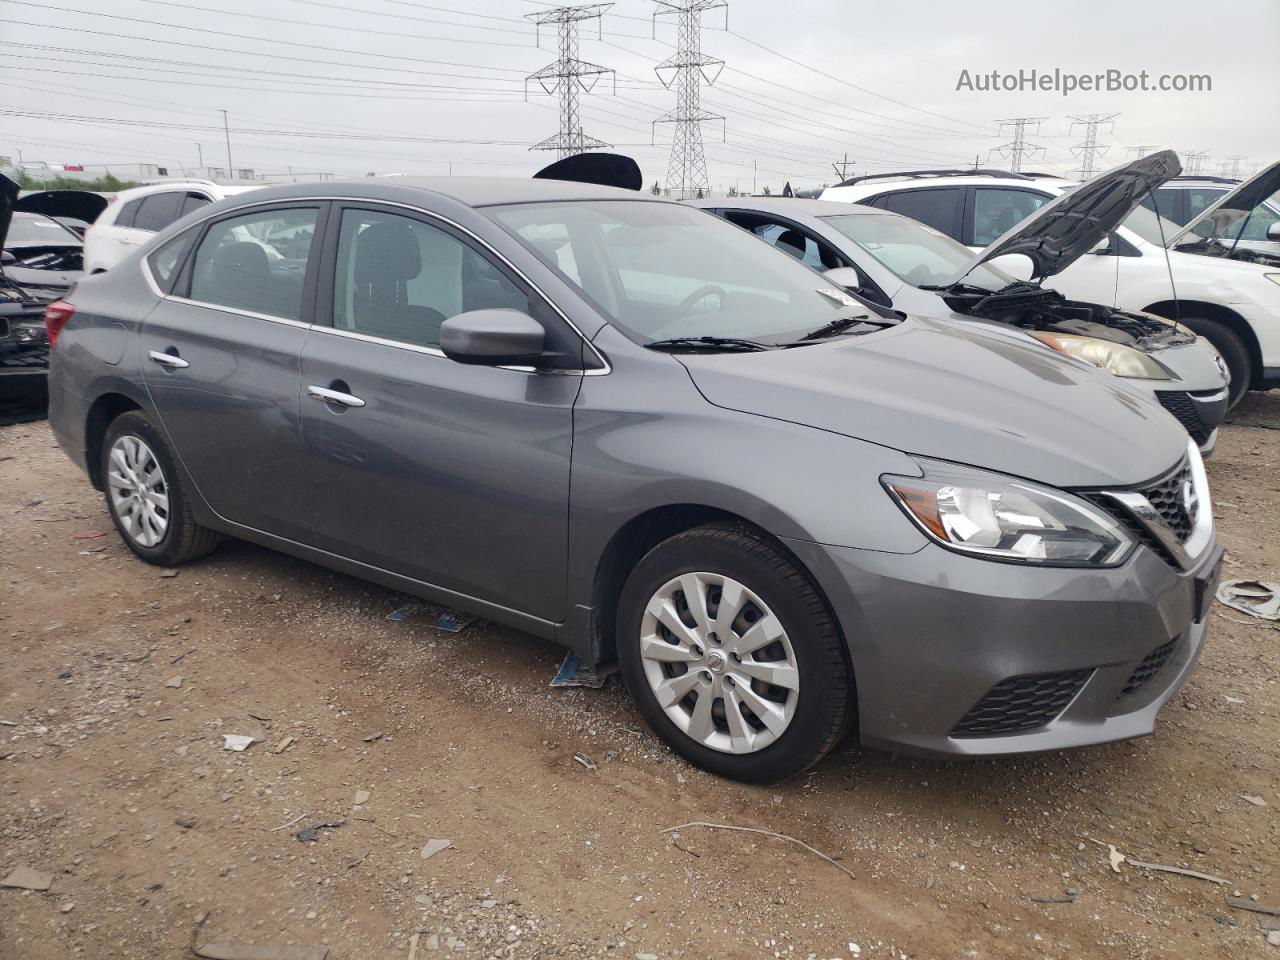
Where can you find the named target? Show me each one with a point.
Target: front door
(450, 474)
(221, 363)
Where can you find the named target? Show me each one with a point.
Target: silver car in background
(631, 428)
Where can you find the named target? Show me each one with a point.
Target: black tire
(183, 538)
(825, 706)
(1234, 352)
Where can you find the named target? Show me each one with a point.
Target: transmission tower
(1143, 149)
(569, 76)
(1089, 150)
(1194, 161)
(1231, 166)
(1018, 149)
(685, 70)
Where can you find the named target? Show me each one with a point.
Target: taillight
(56, 316)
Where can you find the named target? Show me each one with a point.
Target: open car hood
(80, 204)
(1231, 208)
(1068, 227)
(8, 197)
(603, 169)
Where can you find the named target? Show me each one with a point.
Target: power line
(1089, 150)
(568, 76)
(686, 69)
(1018, 148)
(1194, 161)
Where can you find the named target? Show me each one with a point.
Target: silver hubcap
(139, 492)
(719, 662)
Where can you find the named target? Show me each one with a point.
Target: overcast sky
(353, 86)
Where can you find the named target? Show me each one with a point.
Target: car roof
(872, 188)
(791, 206)
(490, 191)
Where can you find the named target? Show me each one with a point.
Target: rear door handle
(168, 360)
(335, 396)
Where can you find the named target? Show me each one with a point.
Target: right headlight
(1001, 518)
(1117, 358)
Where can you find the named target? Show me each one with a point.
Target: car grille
(1019, 704)
(1185, 411)
(1165, 496)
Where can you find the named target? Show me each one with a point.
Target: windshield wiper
(841, 324)
(707, 343)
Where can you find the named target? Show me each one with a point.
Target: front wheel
(145, 496)
(732, 656)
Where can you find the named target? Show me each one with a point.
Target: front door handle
(335, 396)
(171, 360)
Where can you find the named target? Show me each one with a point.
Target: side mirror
(1102, 248)
(1273, 231)
(493, 338)
(7, 257)
(846, 277)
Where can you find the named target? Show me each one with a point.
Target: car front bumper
(954, 655)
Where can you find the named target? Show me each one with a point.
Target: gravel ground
(119, 682)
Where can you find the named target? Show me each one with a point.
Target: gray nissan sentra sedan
(629, 427)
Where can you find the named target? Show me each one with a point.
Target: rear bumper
(959, 656)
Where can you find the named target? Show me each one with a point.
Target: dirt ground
(118, 682)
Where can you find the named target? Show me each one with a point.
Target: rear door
(221, 362)
(453, 475)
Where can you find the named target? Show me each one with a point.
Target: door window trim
(326, 202)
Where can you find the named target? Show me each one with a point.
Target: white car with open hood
(1229, 293)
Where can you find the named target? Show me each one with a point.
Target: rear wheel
(1234, 353)
(145, 496)
(731, 655)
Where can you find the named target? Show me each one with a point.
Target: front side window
(997, 211)
(661, 270)
(915, 253)
(938, 207)
(158, 211)
(255, 262)
(398, 278)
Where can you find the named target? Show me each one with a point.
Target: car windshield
(915, 253)
(662, 271)
(1148, 225)
(37, 228)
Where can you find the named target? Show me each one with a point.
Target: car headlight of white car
(1001, 518)
(1116, 358)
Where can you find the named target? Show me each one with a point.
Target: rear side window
(127, 213)
(997, 210)
(158, 211)
(166, 260)
(256, 262)
(937, 207)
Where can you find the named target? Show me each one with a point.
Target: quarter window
(164, 262)
(996, 210)
(193, 201)
(256, 262)
(127, 213)
(398, 278)
(938, 207)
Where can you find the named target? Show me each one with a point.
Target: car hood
(992, 399)
(1233, 205)
(8, 197)
(80, 204)
(1068, 227)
